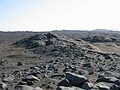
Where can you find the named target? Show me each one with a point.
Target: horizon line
(56, 30)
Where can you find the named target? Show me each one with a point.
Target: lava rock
(75, 79)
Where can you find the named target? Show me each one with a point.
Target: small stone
(31, 78)
(22, 83)
(19, 64)
(2, 85)
(8, 79)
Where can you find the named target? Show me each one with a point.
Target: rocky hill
(88, 67)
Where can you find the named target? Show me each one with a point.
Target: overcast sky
(40, 15)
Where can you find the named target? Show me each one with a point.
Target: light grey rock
(25, 87)
(75, 79)
(31, 78)
(102, 86)
(68, 88)
(109, 80)
(3, 85)
(106, 86)
(8, 78)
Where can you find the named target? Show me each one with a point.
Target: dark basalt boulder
(75, 79)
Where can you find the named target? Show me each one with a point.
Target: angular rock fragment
(68, 88)
(109, 80)
(22, 83)
(87, 86)
(3, 85)
(106, 86)
(19, 64)
(64, 82)
(25, 87)
(75, 79)
(8, 79)
(31, 78)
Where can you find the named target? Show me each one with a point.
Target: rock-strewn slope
(63, 54)
(88, 67)
(105, 40)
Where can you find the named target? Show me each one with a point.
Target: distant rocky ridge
(98, 35)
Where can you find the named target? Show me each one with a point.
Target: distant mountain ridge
(102, 30)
